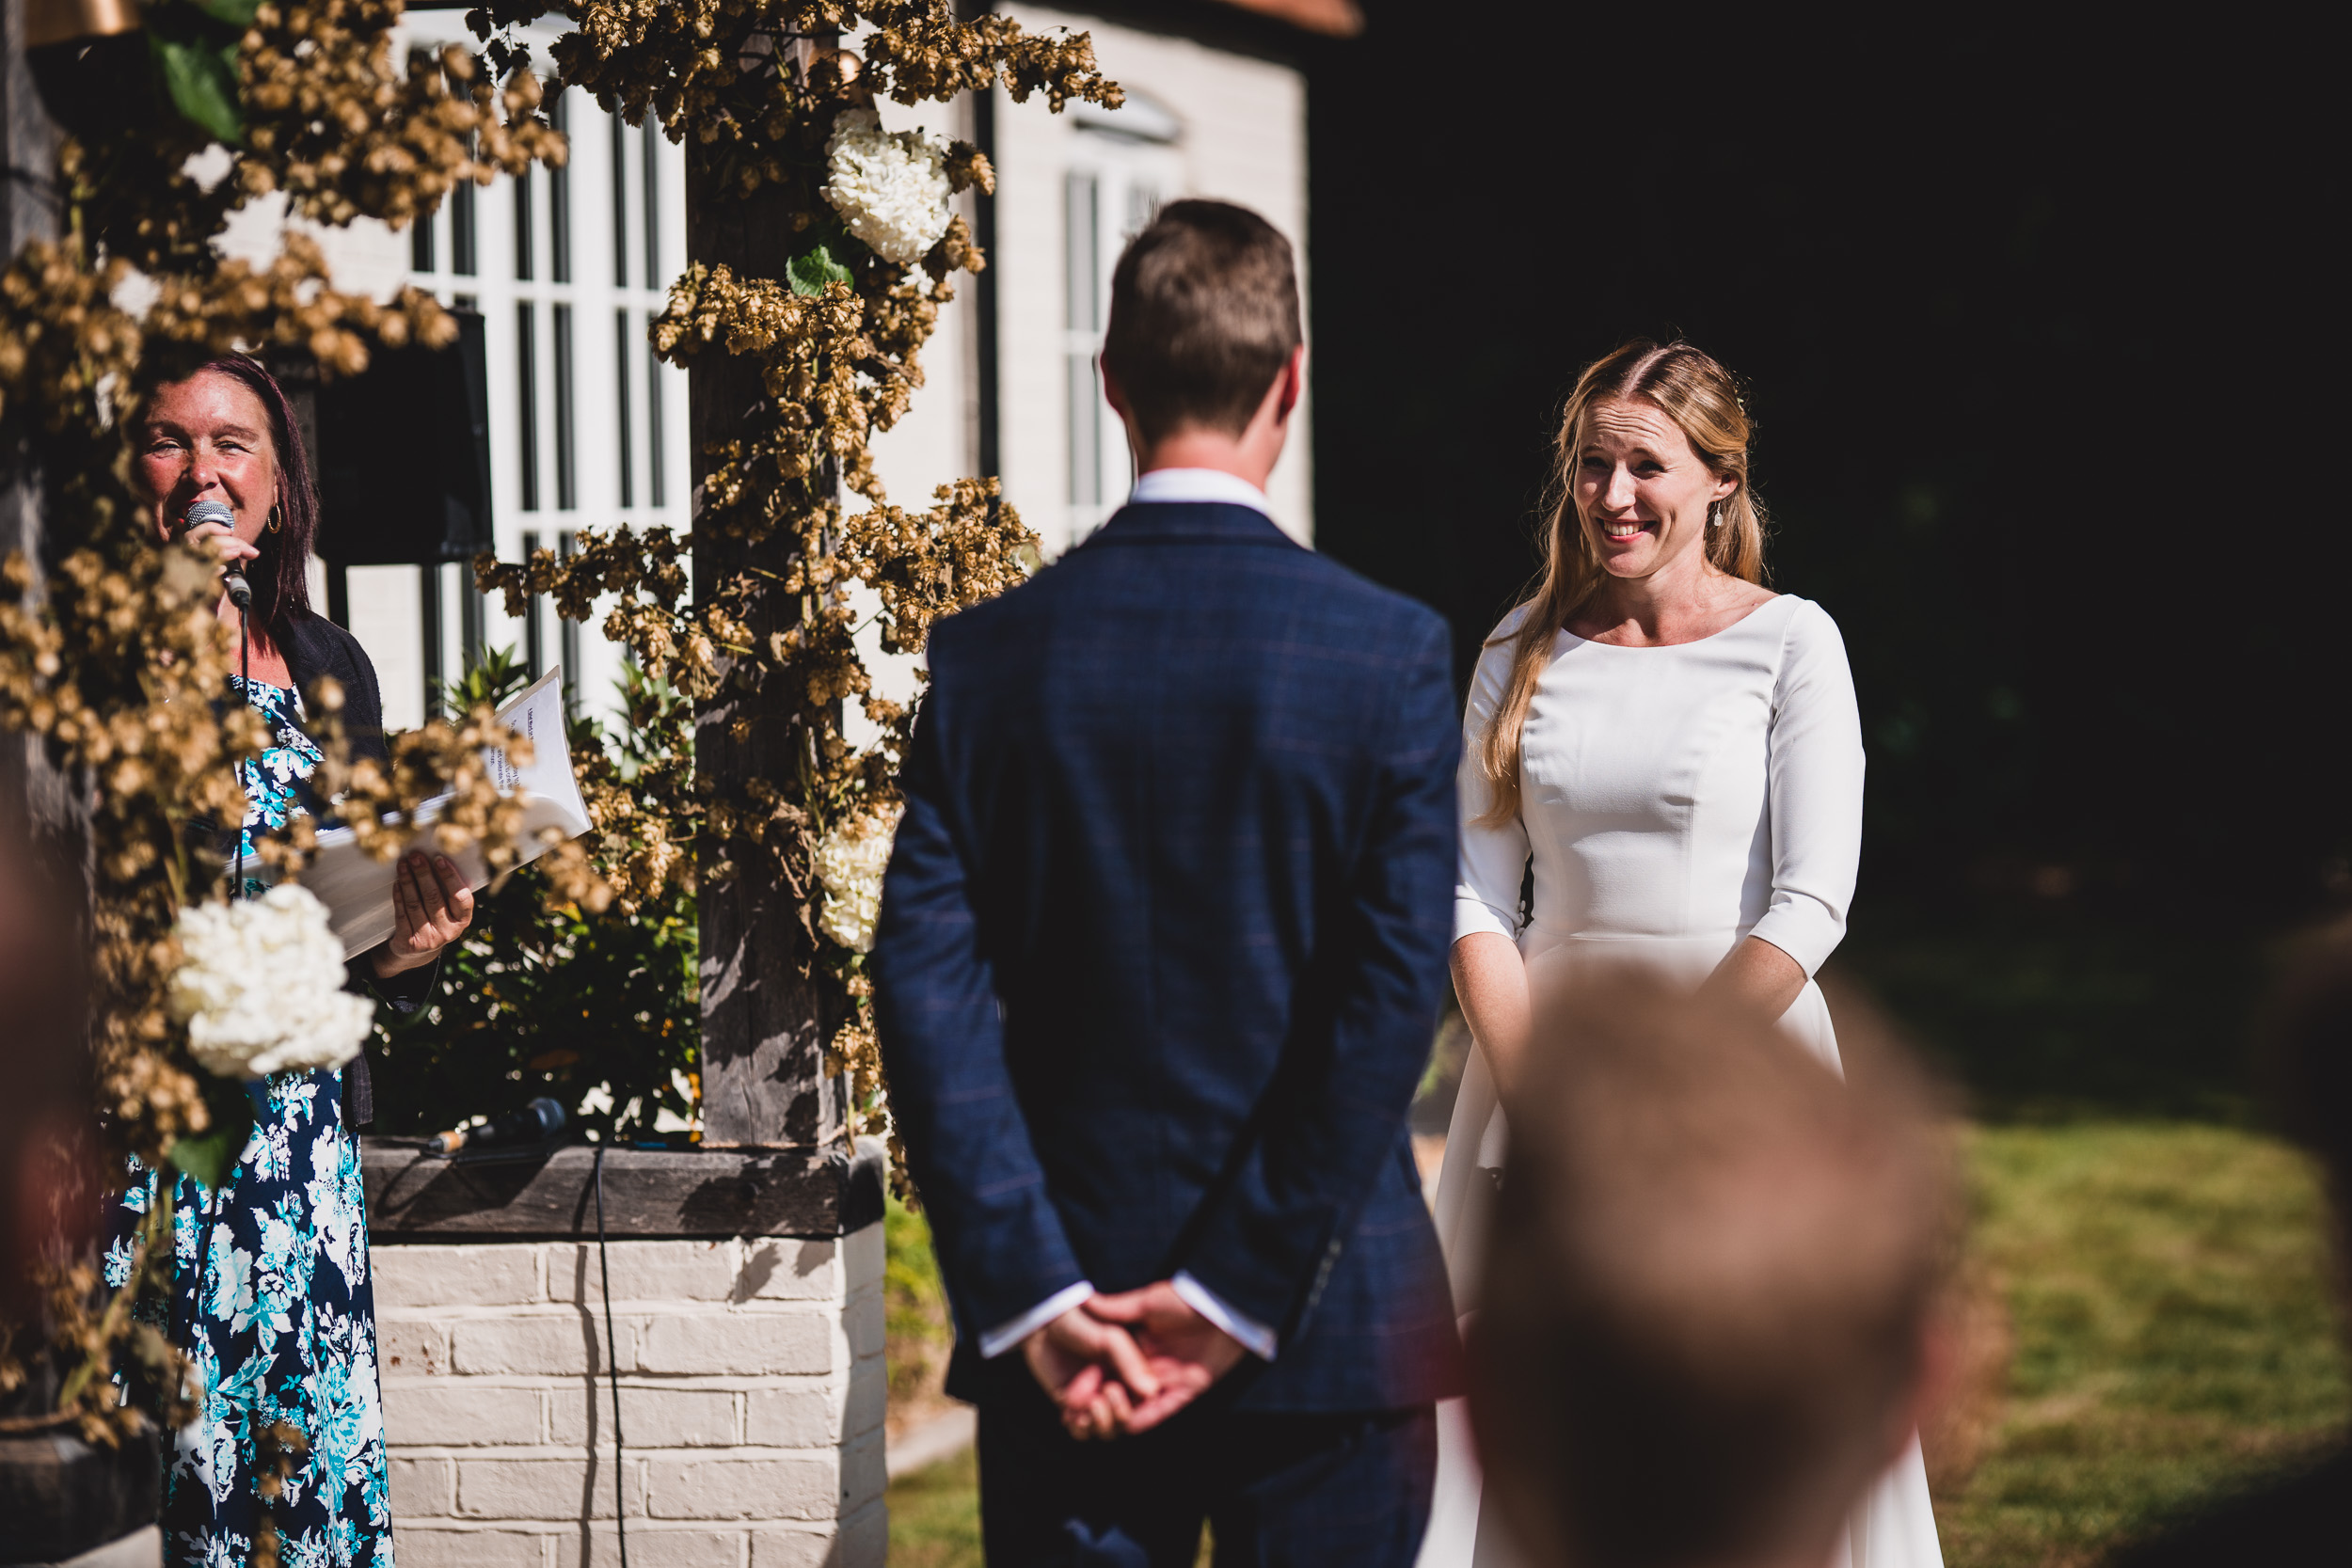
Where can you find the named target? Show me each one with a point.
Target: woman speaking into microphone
(271, 1291)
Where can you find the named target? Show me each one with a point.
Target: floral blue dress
(272, 1295)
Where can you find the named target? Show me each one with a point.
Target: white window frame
(608, 315)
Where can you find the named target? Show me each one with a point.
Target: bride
(1677, 750)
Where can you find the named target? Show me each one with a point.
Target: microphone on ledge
(537, 1122)
(208, 510)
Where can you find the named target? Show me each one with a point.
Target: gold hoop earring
(273, 521)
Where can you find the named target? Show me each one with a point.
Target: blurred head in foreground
(2307, 1049)
(2308, 1046)
(1708, 1289)
(46, 1202)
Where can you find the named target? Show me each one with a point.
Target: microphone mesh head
(210, 511)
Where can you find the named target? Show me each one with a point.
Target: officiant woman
(271, 1291)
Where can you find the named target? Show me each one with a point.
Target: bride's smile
(1642, 492)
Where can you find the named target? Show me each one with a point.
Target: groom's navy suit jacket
(1163, 945)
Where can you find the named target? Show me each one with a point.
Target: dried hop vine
(111, 657)
(752, 775)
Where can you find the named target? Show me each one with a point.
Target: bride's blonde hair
(1703, 400)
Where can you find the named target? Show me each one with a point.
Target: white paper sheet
(357, 888)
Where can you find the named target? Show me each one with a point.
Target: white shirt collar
(1162, 486)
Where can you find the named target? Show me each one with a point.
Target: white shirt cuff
(1803, 929)
(1254, 1337)
(1004, 1336)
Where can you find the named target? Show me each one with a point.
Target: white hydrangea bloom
(262, 987)
(889, 186)
(850, 866)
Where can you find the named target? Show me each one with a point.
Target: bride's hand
(1757, 975)
(1490, 981)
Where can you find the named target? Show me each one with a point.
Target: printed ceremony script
(357, 888)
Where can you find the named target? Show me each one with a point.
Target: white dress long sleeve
(1673, 801)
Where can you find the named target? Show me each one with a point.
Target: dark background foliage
(2032, 317)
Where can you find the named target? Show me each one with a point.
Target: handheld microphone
(208, 510)
(537, 1122)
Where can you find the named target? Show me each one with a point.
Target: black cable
(237, 840)
(611, 1363)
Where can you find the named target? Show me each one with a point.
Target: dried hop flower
(262, 987)
(849, 865)
(889, 186)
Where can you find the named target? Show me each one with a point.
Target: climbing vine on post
(823, 249)
(110, 654)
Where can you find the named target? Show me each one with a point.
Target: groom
(1159, 960)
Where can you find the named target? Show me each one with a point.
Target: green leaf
(815, 267)
(201, 78)
(209, 1157)
(235, 13)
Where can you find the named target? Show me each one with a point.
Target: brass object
(62, 21)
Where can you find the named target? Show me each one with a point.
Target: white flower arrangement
(261, 987)
(889, 186)
(850, 866)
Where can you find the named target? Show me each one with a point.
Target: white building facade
(588, 429)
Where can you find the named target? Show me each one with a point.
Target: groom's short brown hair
(1707, 1286)
(1204, 312)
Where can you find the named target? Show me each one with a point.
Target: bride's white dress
(1674, 800)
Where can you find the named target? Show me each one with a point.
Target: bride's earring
(1715, 515)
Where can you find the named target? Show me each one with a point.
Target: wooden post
(34, 799)
(764, 1022)
(28, 210)
(60, 1496)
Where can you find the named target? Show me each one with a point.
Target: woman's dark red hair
(280, 577)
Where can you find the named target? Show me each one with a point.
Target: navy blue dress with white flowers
(272, 1296)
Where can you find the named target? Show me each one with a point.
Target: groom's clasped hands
(1116, 1365)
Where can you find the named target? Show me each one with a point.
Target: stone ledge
(653, 1543)
(538, 1453)
(551, 1195)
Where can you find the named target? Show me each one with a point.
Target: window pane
(567, 635)
(527, 400)
(651, 219)
(560, 203)
(1086, 434)
(470, 620)
(655, 463)
(461, 248)
(567, 466)
(533, 613)
(620, 202)
(522, 225)
(1081, 231)
(1143, 205)
(620, 388)
(421, 243)
(429, 613)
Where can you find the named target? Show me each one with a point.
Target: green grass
(914, 1308)
(935, 1515)
(2167, 1287)
(2168, 1290)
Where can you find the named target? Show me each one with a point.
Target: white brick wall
(752, 1392)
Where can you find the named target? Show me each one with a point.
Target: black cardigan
(314, 646)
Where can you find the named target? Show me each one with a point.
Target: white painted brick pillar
(752, 1392)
